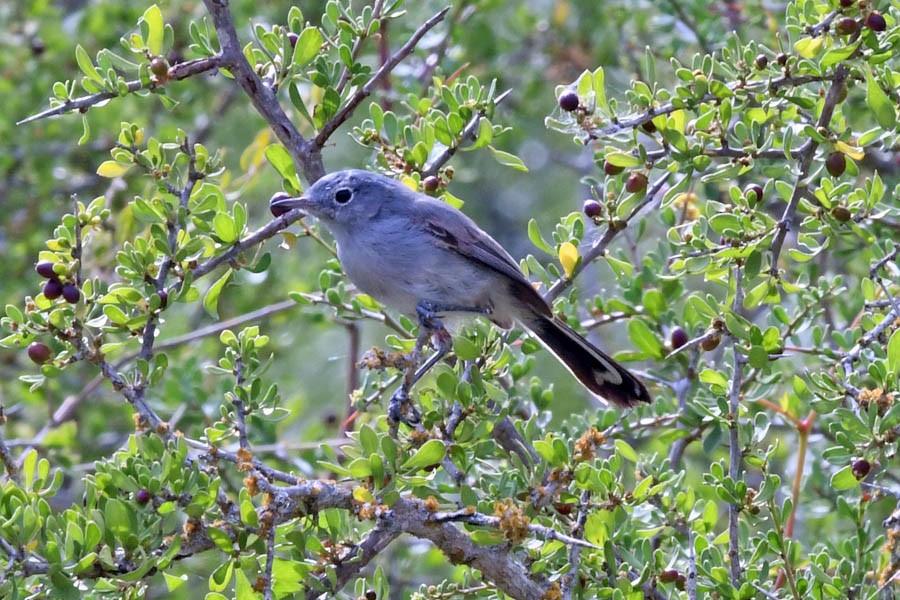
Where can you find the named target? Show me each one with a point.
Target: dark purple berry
(292, 38)
(762, 61)
(636, 182)
(861, 468)
(371, 595)
(592, 209)
(142, 496)
(569, 101)
(163, 298)
(781, 58)
(611, 169)
(70, 293)
(754, 193)
(53, 289)
(39, 353)
(277, 211)
(847, 26)
(679, 338)
(847, 3)
(875, 21)
(431, 183)
(649, 127)
(45, 270)
(836, 164)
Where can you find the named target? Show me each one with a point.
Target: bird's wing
(455, 232)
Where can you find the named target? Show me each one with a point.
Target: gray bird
(418, 255)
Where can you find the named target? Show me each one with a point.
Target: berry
(159, 67)
(569, 101)
(592, 209)
(861, 468)
(669, 575)
(39, 353)
(754, 192)
(847, 3)
(875, 21)
(847, 26)
(611, 169)
(836, 164)
(762, 61)
(142, 496)
(45, 270)
(636, 182)
(70, 293)
(431, 183)
(292, 38)
(841, 213)
(53, 289)
(781, 58)
(163, 298)
(678, 337)
(277, 211)
(711, 343)
(648, 126)
(371, 595)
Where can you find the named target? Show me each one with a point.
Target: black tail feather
(598, 372)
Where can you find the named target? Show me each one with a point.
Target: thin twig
(362, 93)
(176, 72)
(734, 449)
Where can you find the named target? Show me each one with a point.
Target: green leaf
(279, 158)
(534, 234)
(626, 450)
(431, 453)
(508, 160)
(844, 479)
(225, 228)
(155, 29)
(880, 104)
(174, 582)
(309, 42)
(86, 65)
(211, 299)
(465, 349)
(644, 338)
(893, 354)
(243, 589)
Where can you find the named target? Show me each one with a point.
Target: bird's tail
(598, 372)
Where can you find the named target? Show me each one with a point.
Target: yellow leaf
(111, 169)
(808, 47)
(410, 183)
(854, 152)
(568, 257)
(289, 240)
(361, 494)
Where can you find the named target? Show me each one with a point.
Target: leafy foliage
(738, 247)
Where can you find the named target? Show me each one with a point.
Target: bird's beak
(283, 203)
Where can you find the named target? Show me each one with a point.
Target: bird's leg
(430, 326)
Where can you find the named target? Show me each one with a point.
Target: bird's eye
(342, 196)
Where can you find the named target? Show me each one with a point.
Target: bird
(420, 256)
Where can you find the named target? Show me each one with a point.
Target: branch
(734, 449)
(809, 150)
(263, 97)
(362, 93)
(600, 245)
(177, 72)
(467, 133)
